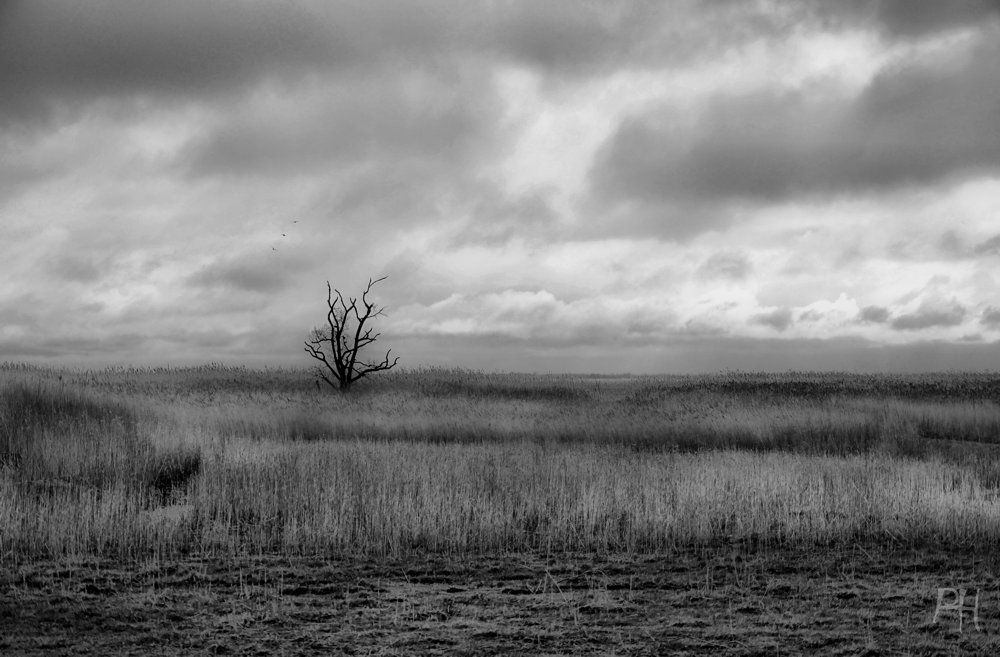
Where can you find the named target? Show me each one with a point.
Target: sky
(558, 186)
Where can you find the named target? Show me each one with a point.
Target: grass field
(215, 469)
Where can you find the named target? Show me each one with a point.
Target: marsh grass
(231, 461)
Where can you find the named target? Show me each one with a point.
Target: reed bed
(134, 463)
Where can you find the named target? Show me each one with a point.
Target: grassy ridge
(138, 462)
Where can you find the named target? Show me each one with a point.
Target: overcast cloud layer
(550, 186)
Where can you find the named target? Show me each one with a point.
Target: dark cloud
(917, 124)
(928, 317)
(54, 52)
(243, 274)
(725, 264)
(568, 36)
(573, 38)
(919, 17)
(404, 116)
(952, 245)
(58, 54)
(921, 122)
(988, 247)
(81, 268)
(873, 315)
(746, 146)
(990, 318)
(779, 319)
(909, 18)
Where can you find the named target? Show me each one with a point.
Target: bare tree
(338, 344)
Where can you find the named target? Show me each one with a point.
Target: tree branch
(339, 352)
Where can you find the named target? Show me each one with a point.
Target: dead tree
(337, 345)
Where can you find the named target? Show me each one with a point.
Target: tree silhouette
(337, 345)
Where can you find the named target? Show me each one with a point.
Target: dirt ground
(719, 601)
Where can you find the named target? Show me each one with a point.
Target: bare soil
(718, 601)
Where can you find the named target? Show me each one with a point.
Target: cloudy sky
(692, 185)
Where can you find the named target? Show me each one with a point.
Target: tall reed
(132, 463)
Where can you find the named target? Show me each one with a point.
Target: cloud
(742, 146)
(919, 17)
(540, 318)
(928, 120)
(17, 315)
(576, 177)
(907, 19)
(569, 36)
(929, 316)
(873, 315)
(406, 116)
(988, 247)
(58, 55)
(54, 53)
(495, 218)
(240, 274)
(918, 123)
(80, 268)
(990, 318)
(731, 265)
(779, 319)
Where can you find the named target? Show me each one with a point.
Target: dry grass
(133, 463)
